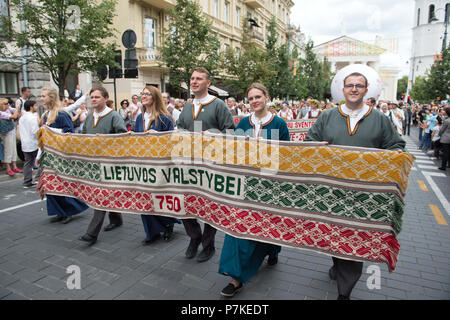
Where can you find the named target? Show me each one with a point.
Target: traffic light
(131, 73)
(102, 74)
(116, 72)
(131, 64)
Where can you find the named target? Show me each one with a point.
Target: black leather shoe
(206, 254)
(56, 219)
(341, 297)
(332, 273)
(111, 226)
(89, 239)
(192, 248)
(146, 242)
(167, 236)
(66, 220)
(272, 261)
(230, 290)
(29, 185)
(442, 168)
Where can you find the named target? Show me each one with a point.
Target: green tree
(439, 77)
(326, 78)
(271, 58)
(189, 43)
(312, 71)
(62, 36)
(402, 86)
(280, 85)
(284, 76)
(299, 89)
(420, 90)
(246, 67)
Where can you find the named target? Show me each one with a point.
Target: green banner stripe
(369, 206)
(73, 168)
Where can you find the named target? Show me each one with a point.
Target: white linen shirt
(355, 116)
(28, 127)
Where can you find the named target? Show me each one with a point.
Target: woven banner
(345, 202)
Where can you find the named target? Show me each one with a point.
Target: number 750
(171, 203)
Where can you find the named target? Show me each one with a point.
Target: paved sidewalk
(34, 256)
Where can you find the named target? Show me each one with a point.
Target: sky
(324, 20)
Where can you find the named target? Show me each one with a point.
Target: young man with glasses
(354, 124)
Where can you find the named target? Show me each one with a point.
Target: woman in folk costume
(285, 113)
(55, 117)
(314, 112)
(154, 117)
(240, 258)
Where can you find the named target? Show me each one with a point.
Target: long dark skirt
(241, 258)
(64, 206)
(154, 225)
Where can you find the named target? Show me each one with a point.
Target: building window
(9, 83)
(150, 33)
(216, 9)
(225, 47)
(227, 12)
(4, 12)
(236, 52)
(430, 13)
(418, 16)
(238, 17)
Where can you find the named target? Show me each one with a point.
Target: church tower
(431, 19)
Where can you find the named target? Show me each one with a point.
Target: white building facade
(380, 56)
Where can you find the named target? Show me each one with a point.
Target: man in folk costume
(211, 113)
(102, 120)
(354, 124)
(314, 112)
(303, 110)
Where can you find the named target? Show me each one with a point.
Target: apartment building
(16, 73)
(149, 18)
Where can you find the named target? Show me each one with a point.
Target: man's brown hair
(203, 70)
(356, 74)
(102, 90)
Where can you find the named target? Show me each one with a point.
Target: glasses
(148, 94)
(357, 86)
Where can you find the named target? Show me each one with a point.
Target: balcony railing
(256, 35)
(254, 4)
(162, 4)
(149, 58)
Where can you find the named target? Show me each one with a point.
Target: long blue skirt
(241, 258)
(64, 206)
(154, 225)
